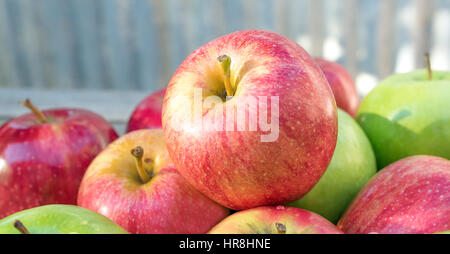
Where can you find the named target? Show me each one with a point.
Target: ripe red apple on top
(147, 114)
(236, 168)
(342, 84)
(410, 196)
(44, 155)
(133, 183)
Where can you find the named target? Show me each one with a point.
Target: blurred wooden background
(68, 48)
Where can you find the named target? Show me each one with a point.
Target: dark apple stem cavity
(225, 64)
(19, 226)
(428, 61)
(138, 153)
(41, 117)
(281, 228)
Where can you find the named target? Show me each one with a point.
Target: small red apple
(133, 183)
(275, 220)
(253, 75)
(44, 155)
(342, 84)
(410, 196)
(147, 114)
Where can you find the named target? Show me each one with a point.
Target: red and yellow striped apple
(133, 183)
(409, 196)
(275, 220)
(246, 78)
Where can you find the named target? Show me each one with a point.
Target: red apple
(411, 195)
(43, 156)
(342, 84)
(275, 220)
(133, 183)
(147, 114)
(255, 74)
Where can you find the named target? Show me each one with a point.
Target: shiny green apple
(58, 219)
(351, 167)
(408, 114)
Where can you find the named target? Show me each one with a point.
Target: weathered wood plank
(316, 27)
(351, 36)
(85, 31)
(385, 38)
(159, 19)
(424, 10)
(8, 70)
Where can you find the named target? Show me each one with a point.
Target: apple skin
(262, 220)
(60, 219)
(410, 196)
(408, 115)
(44, 163)
(235, 168)
(352, 166)
(342, 84)
(147, 114)
(167, 204)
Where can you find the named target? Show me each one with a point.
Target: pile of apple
(379, 166)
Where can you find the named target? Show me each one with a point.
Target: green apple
(58, 219)
(351, 167)
(408, 114)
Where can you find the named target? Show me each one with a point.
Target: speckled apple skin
(235, 168)
(342, 84)
(60, 219)
(410, 196)
(262, 220)
(147, 114)
(167, 204)
(44, 163)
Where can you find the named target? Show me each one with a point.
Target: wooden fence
(137, 44)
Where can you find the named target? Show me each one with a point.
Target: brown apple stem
(19, 226)
(428, 61)
(281, 228)
(138, 153)
(225, 63)
(41, 117)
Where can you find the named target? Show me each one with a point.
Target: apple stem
(281, 228)
(428, 61)
(19, 226)
(138, 153)
(225, 63)
(41, 117)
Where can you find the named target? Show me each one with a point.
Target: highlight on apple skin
(275, 220)
(147, 114)
(43, 156)
(133, 183)
(234, 167)
(410, 196)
